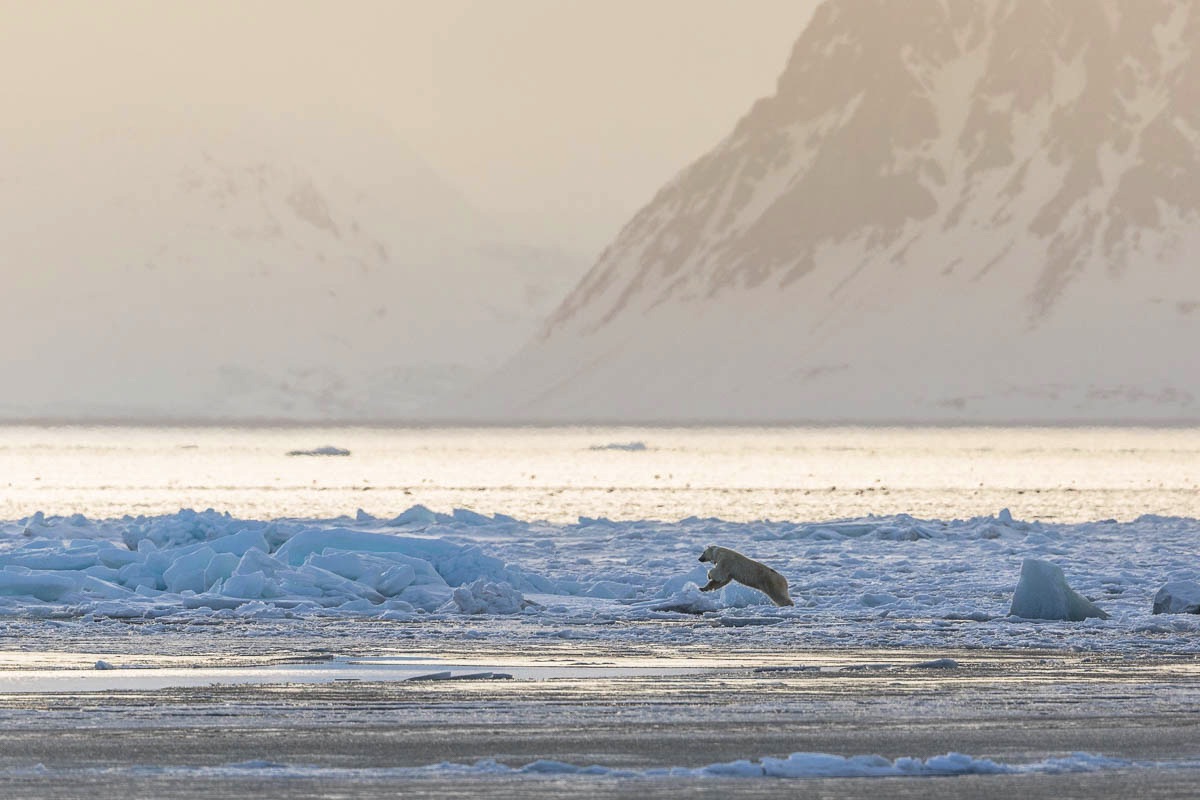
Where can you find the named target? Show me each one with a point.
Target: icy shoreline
(872, 582)
(795, 766)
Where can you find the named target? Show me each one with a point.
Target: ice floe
(1178, 597)
(325, 450)
(1043, 593)
(796, 766)
(890, 581)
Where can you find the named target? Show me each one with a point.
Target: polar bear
(730, 565)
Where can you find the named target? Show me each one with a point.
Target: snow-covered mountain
(261, 266)
(949, 210)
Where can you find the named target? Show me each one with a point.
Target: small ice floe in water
(327, 450)
(630, 446)
(1178, 597)
(462, 676)
(797, 766)
(102, 664)
(1042, 593)
(938, 663)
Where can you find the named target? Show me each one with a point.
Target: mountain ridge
(965, 203)
(250, 266)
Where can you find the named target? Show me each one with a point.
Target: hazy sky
(561, 117)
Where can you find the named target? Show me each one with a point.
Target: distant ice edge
(796, 766)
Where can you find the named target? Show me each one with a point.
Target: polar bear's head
(710, 554)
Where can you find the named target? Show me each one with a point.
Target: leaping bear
(730, 565)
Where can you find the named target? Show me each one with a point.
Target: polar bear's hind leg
(780, 598)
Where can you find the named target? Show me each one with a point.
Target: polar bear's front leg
(716, 579)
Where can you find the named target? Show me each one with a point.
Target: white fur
(730, 565)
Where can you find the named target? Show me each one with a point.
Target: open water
(560, 474)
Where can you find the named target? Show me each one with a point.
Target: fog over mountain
(979, 210)
(275, 266)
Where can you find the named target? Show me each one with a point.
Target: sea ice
(889, 581)
(938, 663)
(326, 450)
(688, 599)
(797, 766)
(1042, 593)
(486, 597)
(1178, 597)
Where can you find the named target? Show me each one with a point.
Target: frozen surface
(1043, 593)
(323, 450)
(834, 715)
(894, 581)
(125, 673)
(796, 766)
(1178, 597)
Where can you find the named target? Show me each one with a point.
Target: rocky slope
(985, 210)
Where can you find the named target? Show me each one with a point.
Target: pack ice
(886, 581)
(209, 561)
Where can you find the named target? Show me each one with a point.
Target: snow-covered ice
(893, 581)
(1178, 597)
(796, 766)
(324, 450)
(1043, 593)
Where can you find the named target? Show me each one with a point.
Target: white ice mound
(686, 600)
(326, 450)
(1178, 597)
(1042, 593)
(209, 562)
(797, 766)
(487, 597)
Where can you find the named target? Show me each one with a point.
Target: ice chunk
(612, 590)
(874, 599)
(389, 574)
(1042, 593)
(251, 586)
(938, 663)
(45, 586)
(427, 597)
(824, 765)
(51, 555)
(417, 515)
(1178, 597)
(188, 572)
(462, 676)
(326, 450)
(686, 600)
(469, 517)
(240, 543)
(485, 597)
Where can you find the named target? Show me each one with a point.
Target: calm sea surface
(559, 474)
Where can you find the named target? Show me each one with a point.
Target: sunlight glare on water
(559, 474)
